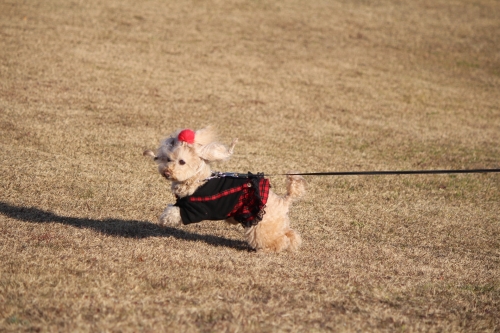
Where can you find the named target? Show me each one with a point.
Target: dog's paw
(171, 217)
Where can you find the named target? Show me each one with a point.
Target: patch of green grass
(16, 320)
(481, 289)
(467, 64)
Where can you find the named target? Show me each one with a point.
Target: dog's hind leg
(295, 240)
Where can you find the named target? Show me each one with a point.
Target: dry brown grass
(85, 86)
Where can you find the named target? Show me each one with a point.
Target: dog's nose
(165, 173)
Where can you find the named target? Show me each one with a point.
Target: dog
(184, 158)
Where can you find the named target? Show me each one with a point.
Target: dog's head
(186, 153)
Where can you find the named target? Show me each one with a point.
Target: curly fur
(188, 165)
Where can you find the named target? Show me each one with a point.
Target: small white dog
(184, 159)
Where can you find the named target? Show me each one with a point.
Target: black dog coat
(244, 199)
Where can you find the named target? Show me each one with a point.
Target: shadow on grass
(115, 227)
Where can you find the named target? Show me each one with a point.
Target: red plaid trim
(249, 204)
(219, 195)
(264, 187)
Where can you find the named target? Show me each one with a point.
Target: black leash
(400, 172)
(217, 174)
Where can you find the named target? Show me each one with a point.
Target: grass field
(86, 86)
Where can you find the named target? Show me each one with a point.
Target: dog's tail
(295, 187)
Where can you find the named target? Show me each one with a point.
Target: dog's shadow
(116, 227)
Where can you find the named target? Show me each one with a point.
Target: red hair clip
(186, 135)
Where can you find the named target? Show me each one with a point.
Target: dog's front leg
(170, 217)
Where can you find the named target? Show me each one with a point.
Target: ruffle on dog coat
(244, 199)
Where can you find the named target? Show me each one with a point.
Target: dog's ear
(213, 151)
(168, 143)
(149, 153)
(205, 136)
(208, 149)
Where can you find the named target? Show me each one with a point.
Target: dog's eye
(169, 160)
(181, 162)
